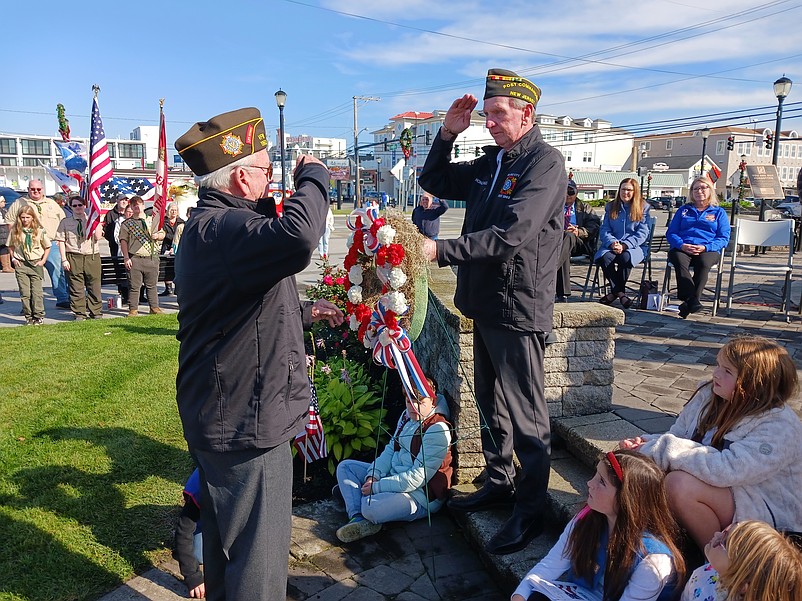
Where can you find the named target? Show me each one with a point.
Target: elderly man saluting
(507, 258)
(242, 388)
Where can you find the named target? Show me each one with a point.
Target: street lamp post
(705, 136)
(378, 175)
(782, 87)
(741, 186)
(281, 100)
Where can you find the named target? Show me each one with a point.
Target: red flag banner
(160, 196)
(100, 169)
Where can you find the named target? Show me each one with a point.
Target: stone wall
(578, 365)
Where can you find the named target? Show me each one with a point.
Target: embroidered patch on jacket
(508, 186)
(710, 217)
(765, 449)
(232, 145)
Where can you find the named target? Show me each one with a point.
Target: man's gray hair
(221, 178)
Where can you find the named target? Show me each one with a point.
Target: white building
(321, 148)
(21, 157)
(587, 145)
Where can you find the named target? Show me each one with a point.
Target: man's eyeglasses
(267, 170)
(34, 189)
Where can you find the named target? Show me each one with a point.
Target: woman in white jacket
(408, 480)
(735, 451)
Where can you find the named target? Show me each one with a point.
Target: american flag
(311, 443)
(130, 186)
(100, 170)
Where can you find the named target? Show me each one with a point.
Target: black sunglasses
(80, 204)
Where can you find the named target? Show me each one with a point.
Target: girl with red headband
(620, 547)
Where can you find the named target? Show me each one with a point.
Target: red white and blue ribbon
(393, 348)
(362, 219)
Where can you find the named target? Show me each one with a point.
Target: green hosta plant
(350, 409)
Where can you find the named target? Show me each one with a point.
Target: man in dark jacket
(579, 237)
(507, 258)
(426, 216)
(242, 388)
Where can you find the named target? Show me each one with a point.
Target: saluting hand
(458, 116)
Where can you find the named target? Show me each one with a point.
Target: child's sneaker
(356, 529)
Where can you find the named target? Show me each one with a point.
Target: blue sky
(629, 61)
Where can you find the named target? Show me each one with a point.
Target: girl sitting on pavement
(620, 547)
(735, 451)
(29, 247)
(410, 479)
(749, 561)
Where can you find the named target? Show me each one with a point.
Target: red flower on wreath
(393, 254)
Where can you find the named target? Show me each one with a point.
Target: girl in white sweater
(735, 451)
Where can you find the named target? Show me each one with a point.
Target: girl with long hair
(29, 246)
(735, 451)
(749, 561)
(623, 235)
(621, 546)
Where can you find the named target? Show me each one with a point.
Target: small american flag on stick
(311, 442)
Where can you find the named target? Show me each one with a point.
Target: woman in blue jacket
(623, 235)
(698, 234)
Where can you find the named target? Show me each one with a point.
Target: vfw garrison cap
(210, 145)
(509, 84)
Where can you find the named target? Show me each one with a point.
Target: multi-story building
(587, 145)
(685, 148)
(22, 157)
(321, 148)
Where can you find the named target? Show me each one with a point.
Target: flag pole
(160, 192)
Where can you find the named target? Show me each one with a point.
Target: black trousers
(246, 515)
(692, 286)
(570, 243)
(616, 269)
(508, 380)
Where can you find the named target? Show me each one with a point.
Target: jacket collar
(217, 199)
(525, 144)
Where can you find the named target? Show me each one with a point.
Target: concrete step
(567, 494)
(587, 437)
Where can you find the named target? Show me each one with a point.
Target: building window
(669, 144)
(646, 146)
(744, 148)
(720, 146)
(568, 135)
(112, 151)
(36, 147)
(8, 146)
(8, 162)
(30, 162)
(587, 157)
(588, 137)
(131, 151)
(759, 150)
(793, 151)
(567, 155)
(784, 173)
(786, 150)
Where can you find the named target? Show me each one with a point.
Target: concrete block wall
(578, 366)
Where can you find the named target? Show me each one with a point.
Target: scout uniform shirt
(31, 248)
(73, 233)
(136, 232)
(50, 214)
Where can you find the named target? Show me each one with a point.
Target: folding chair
(718, 268)
(763, 233)
(599, 284)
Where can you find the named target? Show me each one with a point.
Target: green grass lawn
(92, 458)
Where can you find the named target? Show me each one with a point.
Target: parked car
(680, 200)
(661, 202)
(790, 209)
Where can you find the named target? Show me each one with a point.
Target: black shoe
(561, 299)
(514, 535)
(694, 306)
(487, 497)
(63, 305)
(165, 293)
(684, 311)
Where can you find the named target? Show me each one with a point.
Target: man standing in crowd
(141, 256)
(81, 261)
(50, 215)
(427, 216)
(110, 219)
(579, 237)
(242, 388)
(507, 258)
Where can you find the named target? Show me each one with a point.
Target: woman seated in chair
(698, 234)
(623, 235)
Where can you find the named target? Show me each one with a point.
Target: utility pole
(357, 192)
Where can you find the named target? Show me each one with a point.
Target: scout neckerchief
(143, 235)
(80, 229)
(28, 239)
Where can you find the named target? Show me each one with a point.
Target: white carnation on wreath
(350, 242)
(355, 294)
(397, 278)
(386, 234)
(395, 301)
(353, 322)
(355, 275)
